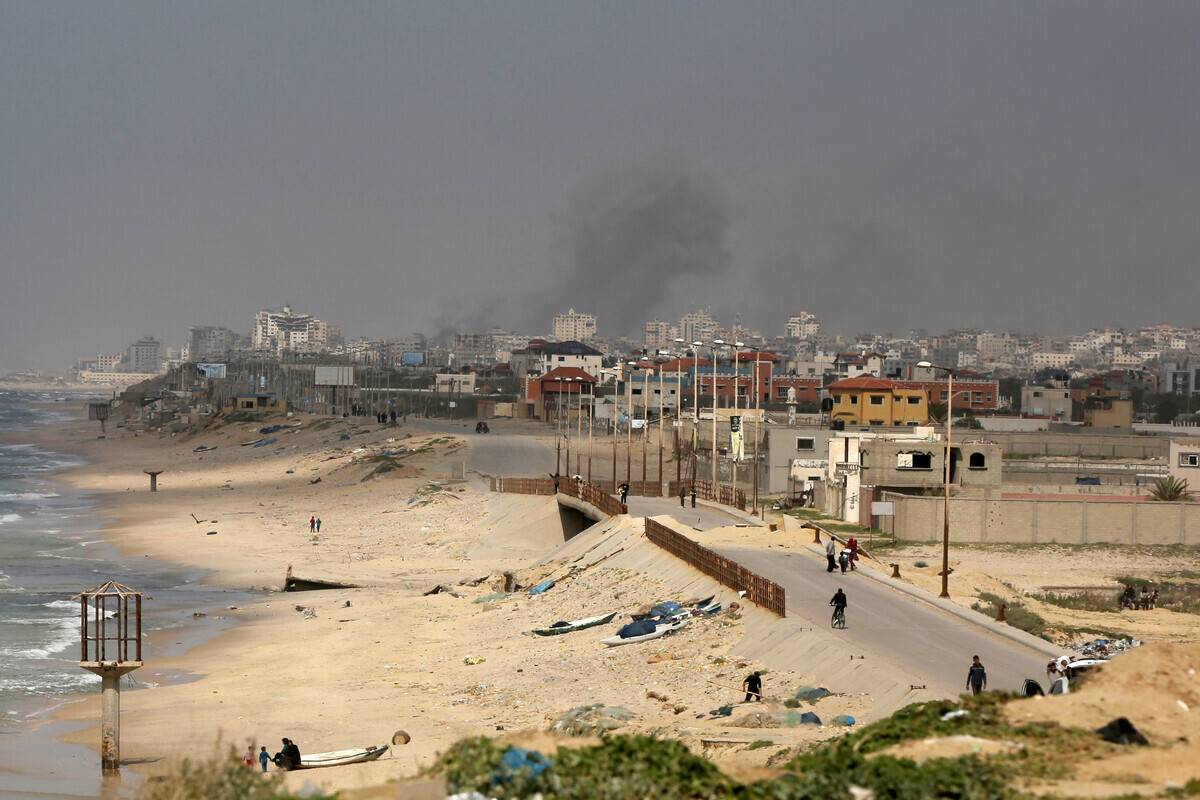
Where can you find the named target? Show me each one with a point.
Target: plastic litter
(591, 719)
(517, 759)
(955, 714)
(844, 720)
(544, 586)
(494, 597)
(471, 661)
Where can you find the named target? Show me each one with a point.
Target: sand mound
(1157, 686)
(949, 747)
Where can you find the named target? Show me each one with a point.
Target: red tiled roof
(562, 373)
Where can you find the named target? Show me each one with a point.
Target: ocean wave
(49, 682)
(67, 634)
(28, 495)
(72, 604)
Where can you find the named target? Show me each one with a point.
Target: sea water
(51, 548)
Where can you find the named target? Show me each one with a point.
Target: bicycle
(839, 618)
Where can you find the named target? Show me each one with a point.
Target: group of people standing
(288, 756)
(314, 524)
(1143, 601)
(847, 559)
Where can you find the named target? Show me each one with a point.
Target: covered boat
(575, 625)
(658, 629)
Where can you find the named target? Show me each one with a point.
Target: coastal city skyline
(996, 167)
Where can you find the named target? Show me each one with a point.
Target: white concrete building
(284, 329)
(698, 326)
(804, 325)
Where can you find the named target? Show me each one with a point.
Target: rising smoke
(631, 238)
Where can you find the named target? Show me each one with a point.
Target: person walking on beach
(624, 489)
(248, 757)
(753, 687)
(976, 676)
(682, 494)
(318, 524)
(263, 758)
(312, 524)
(830, 555)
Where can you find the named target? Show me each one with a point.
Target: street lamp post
(757, 414)
(629, 423)
(695, 409)
(737, 380)
(946, 499)
(591, 421)
(578, 426)
(567, 422)
(716, 492)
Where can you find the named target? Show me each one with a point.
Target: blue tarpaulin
(542, 587)
(639, 628)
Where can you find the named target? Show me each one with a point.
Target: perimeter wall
(1062, 521)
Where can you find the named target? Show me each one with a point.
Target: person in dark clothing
(830, 555)
(976, 676)
(693, 495)
(753, 687)
(839, 603)
(392, 416)
(555, 477)
(624, 489)
(284, 758)
(682, 495)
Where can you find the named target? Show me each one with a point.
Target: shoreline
(51, 741)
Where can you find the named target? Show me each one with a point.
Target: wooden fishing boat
(337, 758)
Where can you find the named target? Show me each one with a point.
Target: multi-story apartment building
(1179, 373)
(574, 326)
(144, 355)
(1044, 360)
(804, 325)
(659, 335)
(698, 326)
(866, 401)
(284, 329)
(210, 342)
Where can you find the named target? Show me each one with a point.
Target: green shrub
(222, 776)
(1015, 614)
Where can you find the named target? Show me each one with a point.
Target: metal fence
(725, 495)
(759, 590)
(587, 492)
(591, 493)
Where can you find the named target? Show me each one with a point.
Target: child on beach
(248, 757)
(263, 758)
(312, 524)
(318, 524)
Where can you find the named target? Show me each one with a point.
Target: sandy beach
(349, 668)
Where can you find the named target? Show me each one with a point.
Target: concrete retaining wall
(977, 519)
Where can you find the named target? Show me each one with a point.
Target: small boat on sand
(337, 758)
(660, 629)
(575, 625)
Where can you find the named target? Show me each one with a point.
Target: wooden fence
(725, 495)
(543, 486)
(759, 590)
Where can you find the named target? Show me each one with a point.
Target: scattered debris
(316, 479)
(471, 661)
(542, 587)
(592, 719)
(211, 533)
(308, 612)
(401, 737)
(293, 584)
(442, 588)
(494, 597)
(955, 714)
(1121, 731)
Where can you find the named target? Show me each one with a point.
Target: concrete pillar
(110, 720)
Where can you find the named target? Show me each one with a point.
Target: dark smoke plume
(632, 237)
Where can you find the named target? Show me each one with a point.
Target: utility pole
(757, 414)
(661, 421)
(645, 422)
(628, 426)
(715, 484)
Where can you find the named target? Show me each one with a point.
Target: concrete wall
(1086, 444)
(1046, 521)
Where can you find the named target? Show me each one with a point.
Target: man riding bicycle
(839, 609)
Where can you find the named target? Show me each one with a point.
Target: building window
(876, 422)
(977, 397)
(914, 401)
(977, 461)
(944, 395)
(853, 399)
(914, 461)
(876, 399)
(837, 398)
(806, 443)
(1037, 394)
(1189, 459)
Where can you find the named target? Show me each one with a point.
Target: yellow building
(866, 401)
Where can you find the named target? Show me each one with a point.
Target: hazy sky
(397, 166)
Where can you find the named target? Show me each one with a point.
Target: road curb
(949, 606)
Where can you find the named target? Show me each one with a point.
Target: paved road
(916, 636)
(701, 517)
